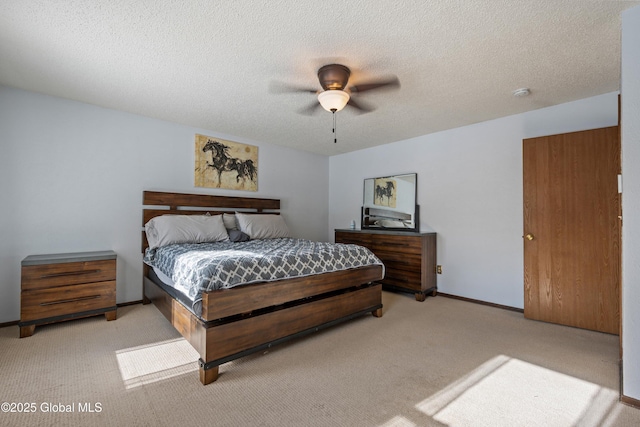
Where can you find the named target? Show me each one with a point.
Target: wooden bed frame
(242, 320)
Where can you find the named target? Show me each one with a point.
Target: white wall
(469, 192)
(72, 176)
(630, 98)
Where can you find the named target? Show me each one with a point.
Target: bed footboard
(226, 342)
(227, 339)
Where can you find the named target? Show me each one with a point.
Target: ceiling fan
(335, 94)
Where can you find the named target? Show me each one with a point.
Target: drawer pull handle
(64, 301)
(69, 273)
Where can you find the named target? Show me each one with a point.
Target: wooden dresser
(60, 287)
(409, 258)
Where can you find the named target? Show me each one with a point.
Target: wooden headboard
(183, 204)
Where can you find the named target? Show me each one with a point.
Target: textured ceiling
(210, 64)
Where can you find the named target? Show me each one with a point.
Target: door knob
(529, 236)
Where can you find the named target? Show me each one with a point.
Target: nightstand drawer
(51, 275)
(64, 300)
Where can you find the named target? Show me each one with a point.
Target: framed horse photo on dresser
(225, 164)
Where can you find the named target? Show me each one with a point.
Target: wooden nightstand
(60, 287)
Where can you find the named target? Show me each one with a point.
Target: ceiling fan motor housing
(334, 77)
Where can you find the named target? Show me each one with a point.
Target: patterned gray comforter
(198, 267)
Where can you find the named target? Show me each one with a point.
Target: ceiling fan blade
(389, 83)
(363, 108)
(310, 109)
(279, 87)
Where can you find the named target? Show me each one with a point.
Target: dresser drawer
(403, 279)
(399, 244)
(70, 273)
(63, 300)
(400, 258)
(353, 239)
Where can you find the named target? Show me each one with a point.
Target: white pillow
(262, 226)
(169, 229)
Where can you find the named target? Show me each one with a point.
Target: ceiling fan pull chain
(335, 135)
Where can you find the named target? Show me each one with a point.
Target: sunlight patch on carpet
(510, 392)
(155, 362)
(398, 421)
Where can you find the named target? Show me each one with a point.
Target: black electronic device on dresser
(409, 258)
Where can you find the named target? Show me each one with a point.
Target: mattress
(161, 279)
(194, 268)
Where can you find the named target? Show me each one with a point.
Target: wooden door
(572, 229)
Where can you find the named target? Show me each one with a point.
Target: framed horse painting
(225, 164)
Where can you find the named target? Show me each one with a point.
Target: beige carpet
(442, 362)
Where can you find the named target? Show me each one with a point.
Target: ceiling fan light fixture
(333, 100)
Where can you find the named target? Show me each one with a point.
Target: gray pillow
(169, 229)
(262, 226)
(237, 236)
